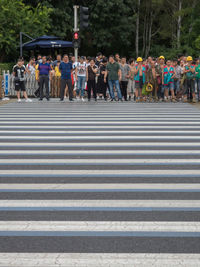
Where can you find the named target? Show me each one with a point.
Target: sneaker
(111, 100)
(28, 100)
(19, 100)
(83, 99)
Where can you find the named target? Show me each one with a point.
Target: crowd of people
(113, 79)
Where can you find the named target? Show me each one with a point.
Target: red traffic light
(76, 36)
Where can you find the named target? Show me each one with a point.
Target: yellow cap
(189, 58)
(162, 57)
(139, 59)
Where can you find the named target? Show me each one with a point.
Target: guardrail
(7, 86)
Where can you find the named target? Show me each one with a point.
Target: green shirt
(198, 72)
(113, 70)
(190, 75)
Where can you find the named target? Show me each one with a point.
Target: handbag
(149, 88)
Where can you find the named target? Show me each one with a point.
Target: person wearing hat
(159, 68)
(139, 78)
(190, 80)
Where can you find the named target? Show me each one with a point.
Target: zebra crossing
(99, 184)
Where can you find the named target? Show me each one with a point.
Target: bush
(6, 66)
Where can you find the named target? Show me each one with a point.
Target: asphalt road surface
(99, 184)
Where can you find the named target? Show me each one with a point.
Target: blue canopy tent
(44, 42)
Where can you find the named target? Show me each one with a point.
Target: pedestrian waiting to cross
(44, 72)
(125, 69)
(90, 78)
(19, 80)
(66, 70)
(114, 74)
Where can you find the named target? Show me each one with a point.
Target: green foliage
(6, 66)
(112, 25)
(15, 16)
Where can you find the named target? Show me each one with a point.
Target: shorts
(169, 86)
(20, 86)
(139, 85)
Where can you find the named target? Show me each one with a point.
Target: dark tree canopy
(129, 27)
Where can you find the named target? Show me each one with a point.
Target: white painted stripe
(113, 144)
(99, 152)
(99, 137)
(99, 132)
(100, 172)
(103, 122)
(100, 117)
(100, 186)
(68, 119)
(100, 113)
(99, 127)
(98, 260)
(102, 203)
(100, 161)
(99, 226)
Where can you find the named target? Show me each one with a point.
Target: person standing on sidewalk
(90, 78)
(44, 72)
(131, 81)
(139, 78)
(66, 70)
(18, 73)
(177, 77)
(190, 80)
(114, 74)
(81, 77)
(125, 69)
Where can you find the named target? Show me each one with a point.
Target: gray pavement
(99, 179)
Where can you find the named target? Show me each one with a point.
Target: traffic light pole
(76, 29)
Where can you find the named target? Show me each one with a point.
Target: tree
(15, 16)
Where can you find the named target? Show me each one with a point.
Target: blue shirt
(65, 69)
(44, 68)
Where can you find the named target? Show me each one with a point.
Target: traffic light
(76, 40)
(84, 17)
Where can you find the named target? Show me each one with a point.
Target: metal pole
(76, 29)
(21, 51)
